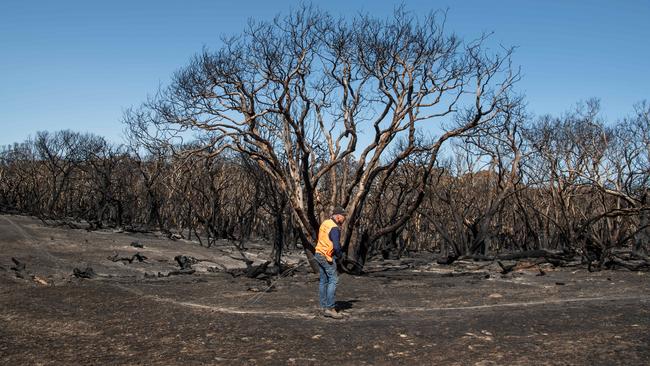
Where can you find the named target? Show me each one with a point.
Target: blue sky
(78, 64)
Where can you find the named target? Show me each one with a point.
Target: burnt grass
(406, 311)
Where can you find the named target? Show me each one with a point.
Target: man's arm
(335, 237)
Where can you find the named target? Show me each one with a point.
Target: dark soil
(399, 313)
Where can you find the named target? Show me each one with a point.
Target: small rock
(40, 281)
(495, 296)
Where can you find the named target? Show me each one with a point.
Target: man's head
(338, 215)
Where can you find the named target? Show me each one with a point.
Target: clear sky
(78, 64)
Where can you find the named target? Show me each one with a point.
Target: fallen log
(635, 266)
(176, 273)
(19, 268)
(86, 273)
(526, 254)
(137, 256)
(250, 272)
(218, 268)
(629, 255)
(254, 271)
(505, 269)
(137, 244)
(557, 259)
(63, 223)
(448, 259)
(18, 265)
(135, 230)
(185, 262)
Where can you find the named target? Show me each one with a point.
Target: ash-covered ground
(409, 311)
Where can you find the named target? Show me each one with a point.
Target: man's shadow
(345, 304)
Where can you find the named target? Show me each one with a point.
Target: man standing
(328, 249)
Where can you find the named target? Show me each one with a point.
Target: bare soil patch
(402, 312)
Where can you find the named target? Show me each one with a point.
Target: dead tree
(60, 153)
(294, 94)
(590, 180)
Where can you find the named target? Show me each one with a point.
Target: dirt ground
(402, 312)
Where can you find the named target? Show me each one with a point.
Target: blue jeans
(328, 281)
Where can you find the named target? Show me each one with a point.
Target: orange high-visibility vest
(325, 245)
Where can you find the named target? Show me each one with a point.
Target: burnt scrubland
(476, 233)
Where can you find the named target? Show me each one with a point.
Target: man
(328, 249)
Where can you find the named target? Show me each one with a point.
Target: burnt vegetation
(418, 134)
